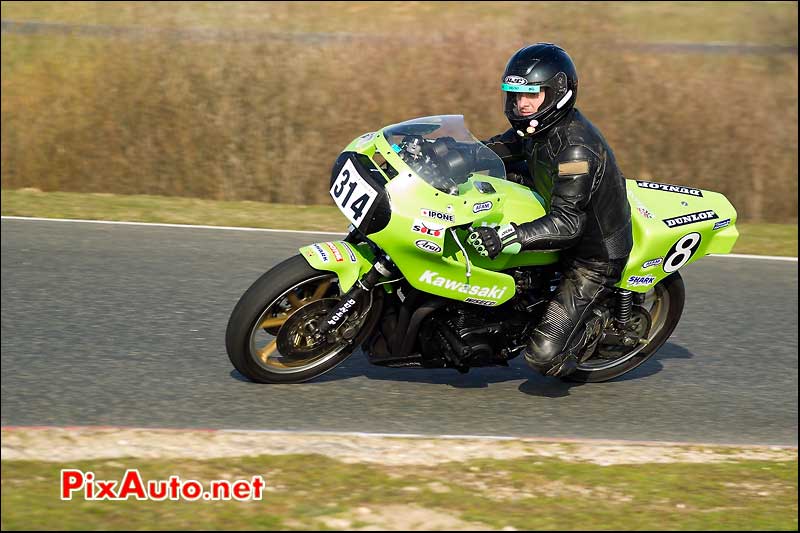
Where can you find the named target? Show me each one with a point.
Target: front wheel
(273, 333)
(664, 305)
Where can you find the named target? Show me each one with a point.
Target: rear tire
(666, 306)
(256, 326)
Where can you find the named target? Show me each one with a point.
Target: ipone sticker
(438, 215)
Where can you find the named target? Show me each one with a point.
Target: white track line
(571, 440)
(235, 228)
(770, 257)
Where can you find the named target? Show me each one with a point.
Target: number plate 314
(352, 194)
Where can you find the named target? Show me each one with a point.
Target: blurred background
(253, 101)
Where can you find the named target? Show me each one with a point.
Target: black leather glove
(489, 242)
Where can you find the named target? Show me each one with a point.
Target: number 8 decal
(681, 252)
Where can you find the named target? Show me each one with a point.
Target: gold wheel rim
(266, 350)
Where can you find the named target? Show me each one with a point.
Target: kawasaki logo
(341, 312)
(433, 278)
(669, 188)
(690, 218)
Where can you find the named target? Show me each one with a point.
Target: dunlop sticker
(691, 218)
(680, 189)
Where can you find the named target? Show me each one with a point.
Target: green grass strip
(316, 492)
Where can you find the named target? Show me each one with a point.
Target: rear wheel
(273, 333)
(664, 306)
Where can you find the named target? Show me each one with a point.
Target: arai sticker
(428, 246)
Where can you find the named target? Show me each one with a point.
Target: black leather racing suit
(589, 219)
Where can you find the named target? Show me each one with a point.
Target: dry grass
(263, 119)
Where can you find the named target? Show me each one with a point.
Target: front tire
(270, 336)
(664, 303)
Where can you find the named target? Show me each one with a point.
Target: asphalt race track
(123, 325)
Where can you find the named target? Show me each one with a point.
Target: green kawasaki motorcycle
(405, 286)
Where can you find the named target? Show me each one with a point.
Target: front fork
(348, 303)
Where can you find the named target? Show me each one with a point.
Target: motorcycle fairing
(348, 261)
(674, 226)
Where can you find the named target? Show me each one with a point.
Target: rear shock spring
(624, 304)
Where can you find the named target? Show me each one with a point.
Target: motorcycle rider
(572, 167)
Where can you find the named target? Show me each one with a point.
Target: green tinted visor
(521, 88)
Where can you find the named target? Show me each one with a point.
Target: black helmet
(540, 67)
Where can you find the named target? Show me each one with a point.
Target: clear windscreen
(442, 151)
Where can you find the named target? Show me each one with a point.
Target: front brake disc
(299, 336)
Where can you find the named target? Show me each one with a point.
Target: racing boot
(569, 322)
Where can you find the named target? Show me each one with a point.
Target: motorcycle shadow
(535, 384)
(538, 385)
